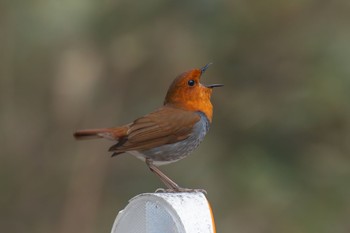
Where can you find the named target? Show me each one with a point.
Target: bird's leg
(169, 183)
(165, 179)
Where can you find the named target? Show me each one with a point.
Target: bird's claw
(181, 190)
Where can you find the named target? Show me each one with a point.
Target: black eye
(191, 82)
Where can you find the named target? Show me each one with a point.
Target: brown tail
(89, 133)
(109, 133)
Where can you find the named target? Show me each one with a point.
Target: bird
(169, 133)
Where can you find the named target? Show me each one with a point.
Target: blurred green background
(275, 160)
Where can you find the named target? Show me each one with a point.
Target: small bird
(169, 133)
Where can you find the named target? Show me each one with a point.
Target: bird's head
(186, 92)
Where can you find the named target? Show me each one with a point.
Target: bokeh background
(277, 155)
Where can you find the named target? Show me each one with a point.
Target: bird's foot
(181, 190)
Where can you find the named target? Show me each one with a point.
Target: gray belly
(173, 152)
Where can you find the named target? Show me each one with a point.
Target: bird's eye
(191, 82)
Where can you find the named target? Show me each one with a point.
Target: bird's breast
(173, 152)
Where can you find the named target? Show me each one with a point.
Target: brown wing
(164, 126)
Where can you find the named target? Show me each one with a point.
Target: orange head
(186, 92)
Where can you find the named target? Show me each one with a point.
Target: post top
(166, 212)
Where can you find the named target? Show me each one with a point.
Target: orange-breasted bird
(169, 133)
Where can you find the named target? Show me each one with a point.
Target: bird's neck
(196, 106)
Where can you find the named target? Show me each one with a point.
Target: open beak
(214, 85)
(203, 69)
